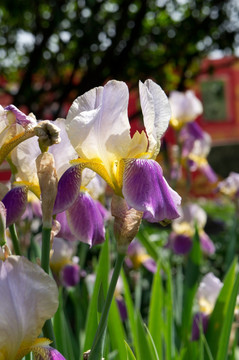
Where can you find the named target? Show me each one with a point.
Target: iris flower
(186, 107)
(180, 239)
(28, 298)
(83, 215)
(196, 145)
(207, 294)
(98, 128)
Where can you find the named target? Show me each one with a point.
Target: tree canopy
(54, 50)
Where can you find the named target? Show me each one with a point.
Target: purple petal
(85, 220)
(71, 275)
(65, 231)
(21, 118)
(181, 244)
(209, 173)
(15, 202)
(122, 308)
(47, 353)
(104, 212)
(134, 248)
(206, 244)
(200, 321)
(150, 265)
(145, 189)
(195, 130)
(68, 189)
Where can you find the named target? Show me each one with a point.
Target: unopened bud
(48, 184)
(48, 133)
(127, 222)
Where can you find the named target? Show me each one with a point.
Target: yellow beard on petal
(35, 188)
(26, 349)
(114, 180)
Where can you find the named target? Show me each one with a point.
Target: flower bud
(127, 222)
(48, 133)
(48, 183)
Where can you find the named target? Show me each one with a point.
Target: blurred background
(52, 51)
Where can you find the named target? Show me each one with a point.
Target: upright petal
(156, 112)
(64, 151)
(15, 202)
(28, 297)
(86, 221)
(97, 123)
(145, 189)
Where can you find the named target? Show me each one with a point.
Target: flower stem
(45, 260)
(97, 347)
(45, 254)
(14, 237)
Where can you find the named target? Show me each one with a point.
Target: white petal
(156, 112)
(23, 157)
(185, 106)
(97, 123)
(28, 297)
(64, 151)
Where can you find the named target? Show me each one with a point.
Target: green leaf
(149, 245)
(130, 354)
(116, 332)
(152, 344)
(63, 333)
(155, 320)
(219, 314)
(102, 274)
(145, 351)
(131, 313)
(190, 285)
(227, 324)
(170, 349)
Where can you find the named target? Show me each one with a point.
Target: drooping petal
(21, 118)
(181, 244)
(97, 123)
(46, 353)
(28, 297)
(70, 274)
(156, 112)
(85, 220)
(206, 243)
(200, 324)
(65, 231)
(145, 189)
(68, 189)
(15, 202)
(210, 174)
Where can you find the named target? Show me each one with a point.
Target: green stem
(49, 332)
(14, 237)
(96, 350)
(45, 254)
(45, 260)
